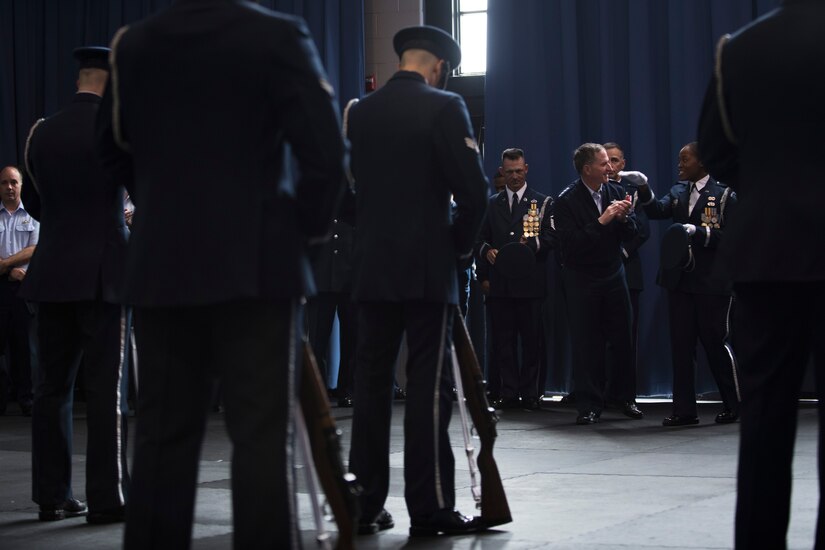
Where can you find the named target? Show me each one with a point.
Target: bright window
(470, 22)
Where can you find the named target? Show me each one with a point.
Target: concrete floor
(620, 484)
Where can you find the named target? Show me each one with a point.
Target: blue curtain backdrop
(564, 72)
(38, 72)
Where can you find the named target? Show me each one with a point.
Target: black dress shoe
(382, 522)
(71, 508)
(109, 515)
(631, 410)
(51, 514)
(507, 403)
(447, 521)
(74, 508)
(726, 417)
(531, 404)
(587, 418)
(676, 420)
(345, 402)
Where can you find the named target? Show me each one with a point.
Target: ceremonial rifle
(494, 507)
(340, 487)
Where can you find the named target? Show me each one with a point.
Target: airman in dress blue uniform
(412, 148)
(75, 279)
(699, 299)
(204, 98)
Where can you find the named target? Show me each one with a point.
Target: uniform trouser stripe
(290, 422)
(66, 331)
(124, 331)
(428, 457)
(181, 349)
(133, 357)
(439, 491)
(733, 364)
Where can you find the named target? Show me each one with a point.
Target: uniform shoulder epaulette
(723, 202)
(345, 119)
(26, 161)
(547, 199)
(567, 190)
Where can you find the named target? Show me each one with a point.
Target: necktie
(693, 198)
(513, 205)
(597, 198)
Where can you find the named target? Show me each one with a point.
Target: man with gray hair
(593, 218)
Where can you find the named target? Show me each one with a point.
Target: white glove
(691, 229)
(634, 177)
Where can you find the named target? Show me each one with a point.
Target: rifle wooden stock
(340, 487)
(494, 507)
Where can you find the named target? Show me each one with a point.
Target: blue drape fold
(38, 73)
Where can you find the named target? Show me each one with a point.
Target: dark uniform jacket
(83, 235)
(216, 218)
(332, 260)
(586, 245)
(501, 227)
(710, 215)
(775, 166)
(408, 237)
